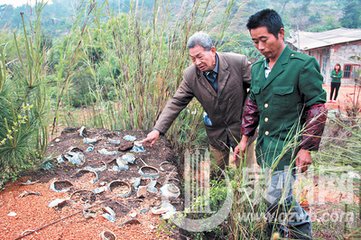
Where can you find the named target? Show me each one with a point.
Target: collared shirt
(267, 69)
(212, 75)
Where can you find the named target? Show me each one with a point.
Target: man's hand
(240, 150)
(151, 138)
(303, 160)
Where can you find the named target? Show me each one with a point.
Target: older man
(219, 81)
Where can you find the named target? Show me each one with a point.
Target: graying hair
(202, 39)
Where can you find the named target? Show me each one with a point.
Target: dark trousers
(284, 213)
(334, 88)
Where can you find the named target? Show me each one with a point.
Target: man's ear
(213, 49)
(281, 34)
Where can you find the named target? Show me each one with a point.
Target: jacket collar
(222, 78)
(279, 66)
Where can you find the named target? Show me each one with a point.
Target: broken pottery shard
(149, 172)
(166, 209)
(74, 149)
(122, 164)
(76, 158)
(166, 163)
(104, 151)
(87, 213)
(60, 159)
(138, 148)
(151, 186)
(123, 167)
(83, 196)
(83, 132)
(136, 182)
(115, 168)
(107, 235)
(133, 213)
(81, 172)
(129, 138)
(12, 214)
(120, 188)
(118, 165)
(163, 208)
(29, 182)
(103, 183)
(114, 141)
(170, 191)
(100, 190)
(109, 214)
(90, 148)
(58, 203)
(61, 186)
(108, 210)
(96, 169)
(169, 214)
(129, 157)
(130, 221)
(47, 164)
(125, 146)
(90, 140)
(27, 193)
(144, 210)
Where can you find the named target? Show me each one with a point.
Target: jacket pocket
(285, 90)
(283, 98)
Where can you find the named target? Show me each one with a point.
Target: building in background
(340, 45)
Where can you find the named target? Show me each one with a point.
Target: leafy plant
(23, 126)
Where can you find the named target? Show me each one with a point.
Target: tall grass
(23, 101)
(132, 67)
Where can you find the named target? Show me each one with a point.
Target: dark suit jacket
(224, 107)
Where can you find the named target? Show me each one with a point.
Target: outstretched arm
(174, 106)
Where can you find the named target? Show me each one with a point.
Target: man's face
(266, 43)
(203, 59)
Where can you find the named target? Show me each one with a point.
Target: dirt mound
(96, 183)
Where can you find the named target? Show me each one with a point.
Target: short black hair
(268, 18)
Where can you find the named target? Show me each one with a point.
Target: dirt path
(345, 97)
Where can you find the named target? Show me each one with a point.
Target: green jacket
(336, 77)
(294, 84)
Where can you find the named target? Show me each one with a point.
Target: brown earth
(346, 96)
(31, 212)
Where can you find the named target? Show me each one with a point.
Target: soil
(81, 215)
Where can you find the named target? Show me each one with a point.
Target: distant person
(336, 76)
(219, 81)
(286, 102)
